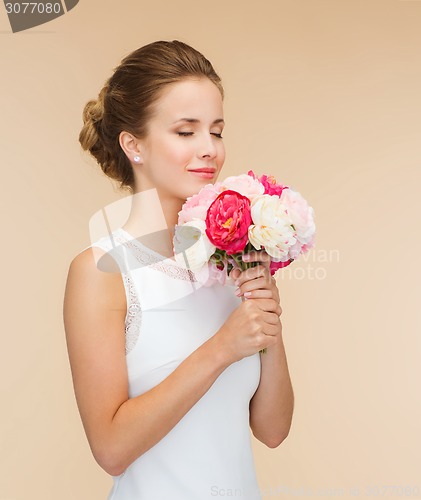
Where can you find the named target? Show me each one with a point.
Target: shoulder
(95, 258)
(95, 275)
(94, 309)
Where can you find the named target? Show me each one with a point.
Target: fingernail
(238, 292)
(247, 294)
(246, 256)
(236, 282)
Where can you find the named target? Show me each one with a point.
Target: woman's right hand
(249, 328)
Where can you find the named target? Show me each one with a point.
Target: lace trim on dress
(149, 259)
(133, 318)
(133, 315)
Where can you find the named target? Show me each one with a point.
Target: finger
(258, 283)
(272, 330)
(259, 293)
(253, 273)
(235, 273)
(270, 317)
(267, 304)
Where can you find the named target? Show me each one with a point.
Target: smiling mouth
(204, 174)
(207, 170)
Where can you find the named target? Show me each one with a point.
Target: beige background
(325, 94)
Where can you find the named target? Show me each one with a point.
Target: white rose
(192, 247)
(272, 226)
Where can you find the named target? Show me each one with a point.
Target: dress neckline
(136, 242)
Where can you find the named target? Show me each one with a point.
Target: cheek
(179, 151)
(222, 153)
(168, 155)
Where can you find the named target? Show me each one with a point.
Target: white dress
(208, 453)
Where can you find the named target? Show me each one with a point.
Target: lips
(207, 170)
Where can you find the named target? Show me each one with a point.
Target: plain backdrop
(325, 95)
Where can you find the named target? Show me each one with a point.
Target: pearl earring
(136, 158)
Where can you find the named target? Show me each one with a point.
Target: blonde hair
(126, 101)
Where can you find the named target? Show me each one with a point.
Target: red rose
(274, 266)
(227, 221)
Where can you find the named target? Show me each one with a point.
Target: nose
(207, 147)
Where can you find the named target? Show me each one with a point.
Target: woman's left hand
(256, 282)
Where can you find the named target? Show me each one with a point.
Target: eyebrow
(195, 120)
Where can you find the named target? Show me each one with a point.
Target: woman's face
(184, 135)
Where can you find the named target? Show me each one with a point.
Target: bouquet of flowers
(238, 215)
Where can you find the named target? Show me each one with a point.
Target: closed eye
(184, 134)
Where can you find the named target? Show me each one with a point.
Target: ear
(131, 146)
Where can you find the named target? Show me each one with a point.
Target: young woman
(167, 375)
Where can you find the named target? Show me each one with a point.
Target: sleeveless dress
(169, 315)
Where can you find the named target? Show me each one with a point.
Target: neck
(156, 216)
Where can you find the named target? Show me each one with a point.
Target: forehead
(192, 98)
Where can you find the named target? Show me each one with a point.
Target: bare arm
(120, 429)
(272, 405)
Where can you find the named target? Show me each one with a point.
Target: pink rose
(196, 206)
(301, 215)
(243, 184)
(269, 183)
(227, 221)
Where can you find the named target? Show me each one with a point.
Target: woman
(168, 377)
